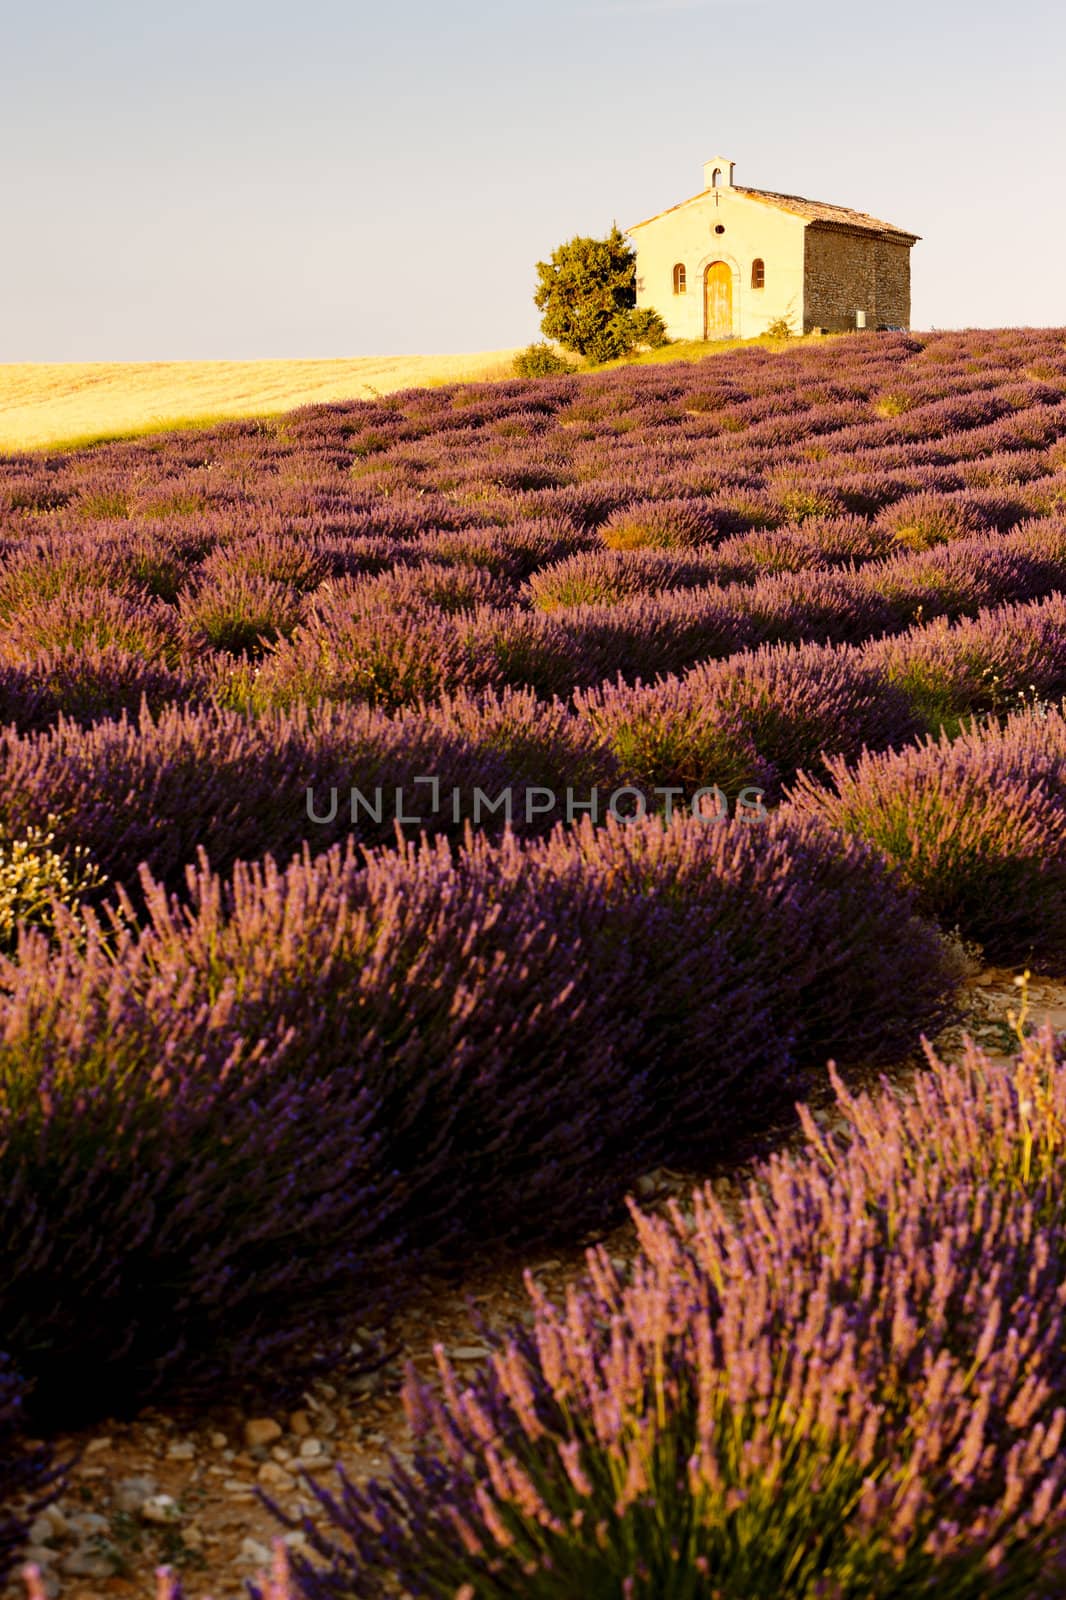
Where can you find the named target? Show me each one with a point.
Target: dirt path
(182, 1488)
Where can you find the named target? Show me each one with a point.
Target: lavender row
(88, 650)
(852, 1382)
(277, 1108)
(761, 715)
(155, 789)
(395, 655)
(159, 790)
(195, 558)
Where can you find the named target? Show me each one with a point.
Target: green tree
(587, 292)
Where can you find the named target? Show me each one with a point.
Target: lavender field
(420, 819)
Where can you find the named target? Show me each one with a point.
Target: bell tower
(718, 173)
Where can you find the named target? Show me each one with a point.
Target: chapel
(729, 261)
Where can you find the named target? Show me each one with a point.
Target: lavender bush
(976, 825)
(89, 683)
(343, 652)
(157, 1167)
(240, 613)
(999, 661)
(806, 1394)
(752, 719)
(95, 618)
(758, 716)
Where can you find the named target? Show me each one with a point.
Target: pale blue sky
(332, 178)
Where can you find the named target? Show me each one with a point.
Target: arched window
(716, 177)
(758, 273)
(679, 279)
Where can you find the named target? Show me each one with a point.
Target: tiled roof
(810, 210)
(820, 211)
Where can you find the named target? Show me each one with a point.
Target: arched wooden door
(717, 301)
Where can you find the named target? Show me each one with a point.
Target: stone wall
(848, 272)
(893, 284)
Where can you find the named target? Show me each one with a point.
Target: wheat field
(75, 402)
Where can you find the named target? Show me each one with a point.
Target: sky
(334, 178)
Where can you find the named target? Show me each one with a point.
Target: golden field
(76, 402)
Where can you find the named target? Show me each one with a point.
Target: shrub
(669, 736)
(155, 556)
(651, 634)
(538, 744)
(645, 329)
(43, 570)
(587, 292)
(35, 880)
(716, 877)
(513, 552)
(604, 577)
(661, 524)
(779, 328)
(282, 558)
(523, 649)
(584, 505)
(96, 619)
(451, 587)
(156, 1167)
(240, 612)
(803, 494)
(113, 503)
(844, 541)
(996, 662)
(375, 654)
(963, 576)
(815, 607)
(755, 718)
(976, 826)
(540, 360)
(921, 520)
(747, 556)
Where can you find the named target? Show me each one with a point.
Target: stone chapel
(731, 260)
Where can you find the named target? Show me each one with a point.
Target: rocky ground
(183, 1488)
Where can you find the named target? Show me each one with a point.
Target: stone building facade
(729, 261)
